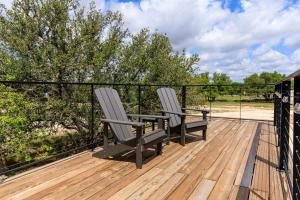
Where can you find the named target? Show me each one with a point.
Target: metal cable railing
(72, 106)
(287, 123)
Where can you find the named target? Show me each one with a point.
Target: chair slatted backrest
(113, 109)
(170, 102)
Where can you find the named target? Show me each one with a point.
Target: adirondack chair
(124, 139)
(172, 108)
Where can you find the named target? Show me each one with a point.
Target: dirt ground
(246, 112)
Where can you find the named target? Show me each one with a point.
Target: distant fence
(62, 118)
(287, 123)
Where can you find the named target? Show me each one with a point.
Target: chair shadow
(190, 138)
(148, 154)
(126, 156)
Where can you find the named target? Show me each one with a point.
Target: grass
(227, 101)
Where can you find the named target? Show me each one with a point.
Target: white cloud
(7, 3)
(100, 4)
(222, 38)
(296, 56)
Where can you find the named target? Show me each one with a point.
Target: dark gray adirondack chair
(172, 108)
(120, 126)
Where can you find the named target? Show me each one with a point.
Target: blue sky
(238, 37)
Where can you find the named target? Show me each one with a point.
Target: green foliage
(201, 79)
(257, 84)
(58, 40)
(253, 79)
(14, 122)
(264, 78)
(220, 80)
(198, 95)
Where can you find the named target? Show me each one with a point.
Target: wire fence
(286, 121)
(41, 122)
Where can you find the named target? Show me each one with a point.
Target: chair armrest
(200, 110)
(175, 113)
(149, 116)
(182, 114)
(133, 124)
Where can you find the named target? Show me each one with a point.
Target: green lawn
(234, 101)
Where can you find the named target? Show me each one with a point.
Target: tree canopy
(59, 40)
(264, 78)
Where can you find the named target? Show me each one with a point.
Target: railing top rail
(127, 84)
(293, 75)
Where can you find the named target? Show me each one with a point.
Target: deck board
(267, 182)
(225, 166)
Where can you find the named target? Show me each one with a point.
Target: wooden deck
(238, 161)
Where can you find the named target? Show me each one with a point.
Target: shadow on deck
(238, 161)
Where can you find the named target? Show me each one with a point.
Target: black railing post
(92, 126)
(285, 122)
(275, 106)
(279, 113)
(210, 102)
(296, 141)
(183, 97)
(139, 99)
(240, 103)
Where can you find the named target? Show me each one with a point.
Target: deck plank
(239, 193)
(235, 162)
(196, 167)
(126, 180)
(202, 190)
(236, 152)
(10, 188)
(267, 182)
(141, 191)
(168, 187)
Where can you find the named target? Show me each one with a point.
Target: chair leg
(204, 134)
(168, 141)
(182, 131)
(168, 133)
(159, 148)
(182, 137)
(139, 156)
(105, 136)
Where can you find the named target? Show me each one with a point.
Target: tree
(221, 80)
(258, 84)
(201, 79)
(198, 95)
(44, 41)
(253, 79)
(60, 41)
(271, 77)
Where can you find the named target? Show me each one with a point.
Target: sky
(237, 37)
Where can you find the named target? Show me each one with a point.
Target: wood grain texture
(225, 166)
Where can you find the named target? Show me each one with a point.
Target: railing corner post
(285, 125)
(296, 139)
